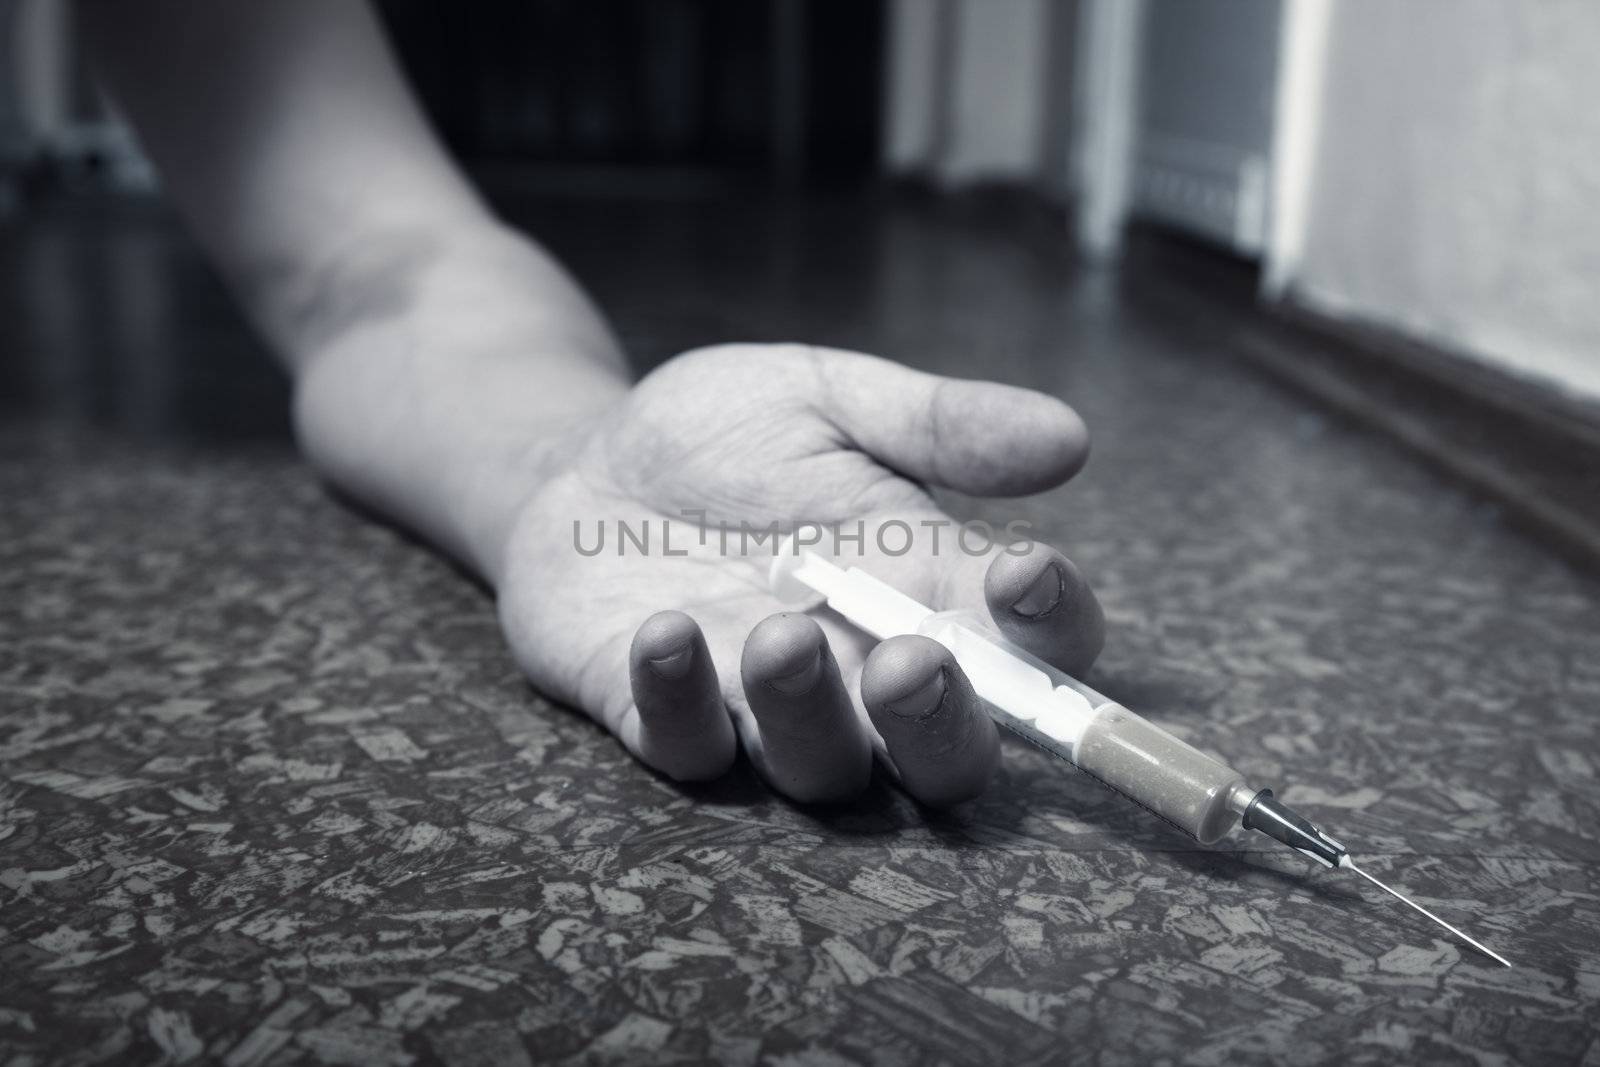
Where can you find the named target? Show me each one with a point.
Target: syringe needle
(1486, 950)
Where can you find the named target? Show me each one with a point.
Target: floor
(271, 790)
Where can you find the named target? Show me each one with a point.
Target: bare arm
(429, 343)
(451, 375)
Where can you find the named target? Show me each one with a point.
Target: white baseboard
(1215, 191)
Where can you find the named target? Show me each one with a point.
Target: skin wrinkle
(872, 497)
(934, 429)
(757, 425)
(851, 442)
(827, 402)
(829, 405)
(370, 278)
(846, 442)
(811, 498)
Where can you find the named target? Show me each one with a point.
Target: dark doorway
(785, 89)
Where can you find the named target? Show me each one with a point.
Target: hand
(684, 657)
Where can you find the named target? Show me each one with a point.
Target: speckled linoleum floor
(271, 790)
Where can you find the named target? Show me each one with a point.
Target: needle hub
(1282, 823)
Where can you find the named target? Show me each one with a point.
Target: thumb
(982, 438)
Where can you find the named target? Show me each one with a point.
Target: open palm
(676, 645)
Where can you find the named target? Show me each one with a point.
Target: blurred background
(1415, 182)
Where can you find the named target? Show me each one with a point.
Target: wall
(913, 92)
(1455, 189)
(1204, 136)
(1094, 101)
(968, 90)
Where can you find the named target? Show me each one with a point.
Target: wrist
(449, 402)
(471, 288)
(450, 448)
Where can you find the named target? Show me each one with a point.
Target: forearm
(286, 136)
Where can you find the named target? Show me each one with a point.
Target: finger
(678, 723)
(1041, 602)
(982, 438)
(813, 747)
(939, 737)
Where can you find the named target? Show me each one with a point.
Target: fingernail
(801, 681)
(922, 701)
(1042, 596)
(675, 665)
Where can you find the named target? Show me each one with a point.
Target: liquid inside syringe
(1200, 795)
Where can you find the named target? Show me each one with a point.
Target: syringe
(1201, 796)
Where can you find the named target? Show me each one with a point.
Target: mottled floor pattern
(271, 791)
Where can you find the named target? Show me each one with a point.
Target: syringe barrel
(1132, 755)
(1183, 785)
(1170, 777)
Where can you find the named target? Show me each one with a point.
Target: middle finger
(814, 748)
